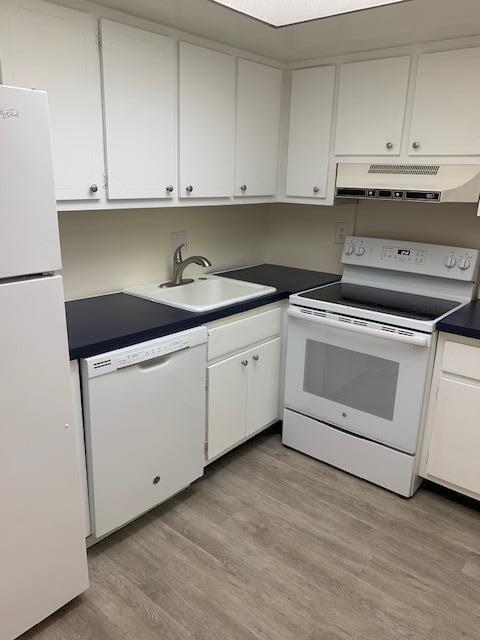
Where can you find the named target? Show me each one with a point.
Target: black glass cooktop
(395, 303)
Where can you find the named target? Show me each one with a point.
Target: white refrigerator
(42, 547)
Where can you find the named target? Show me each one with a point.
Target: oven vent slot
(405, 169)
(101, 364)
(360, 323)
(389, 329)
(405, 333)
(346, 320)
(320, 314)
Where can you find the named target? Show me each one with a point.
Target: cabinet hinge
(99, 41)
(205, 446)
(105, 180)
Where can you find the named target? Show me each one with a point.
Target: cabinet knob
(243, 188)
(316, 189)
(244, 363)
(93, 188)
(256, 358)
(189, 189)
(389, 145)
(156, 480)
(169, 188)
(416, 145)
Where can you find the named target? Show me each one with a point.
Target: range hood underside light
(283, 13)
(418, 183)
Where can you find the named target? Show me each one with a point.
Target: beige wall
(304, 236)
(110, 250)
(107, 251)
(452, 224)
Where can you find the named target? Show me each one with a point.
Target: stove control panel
(454, 263)
(404, 254)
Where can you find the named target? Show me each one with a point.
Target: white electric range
(360, 355)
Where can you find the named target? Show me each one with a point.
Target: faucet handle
(177, 256)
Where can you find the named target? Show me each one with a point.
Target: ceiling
(398, 24)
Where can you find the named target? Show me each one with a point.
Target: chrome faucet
(179, 265)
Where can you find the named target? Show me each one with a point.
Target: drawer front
(462, 360)
(242, 333)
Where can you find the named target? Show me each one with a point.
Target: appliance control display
(153, 352)
(403, 254)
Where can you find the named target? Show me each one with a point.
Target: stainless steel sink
(203, 294)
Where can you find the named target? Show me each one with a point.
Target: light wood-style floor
(273, 545)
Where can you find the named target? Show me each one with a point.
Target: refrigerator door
(29, 242)
(42, 550)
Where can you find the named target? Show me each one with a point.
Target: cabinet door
(259, 90)
(207, 106)
(446, 115)
(371, 107)
(309, 137)
(455, 445)
(263, 385)
(227, 403)
(139, 107)
(45, 46)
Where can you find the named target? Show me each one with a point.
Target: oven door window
(351, 378)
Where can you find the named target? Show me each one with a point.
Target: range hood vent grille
(405, 169)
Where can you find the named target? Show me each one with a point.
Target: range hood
(413, 182)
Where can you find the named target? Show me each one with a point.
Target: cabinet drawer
(241, 333)
(462, 360)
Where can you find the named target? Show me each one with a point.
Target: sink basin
(203, 294)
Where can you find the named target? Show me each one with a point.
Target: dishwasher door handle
(159, 361)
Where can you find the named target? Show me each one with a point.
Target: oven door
(363, 377)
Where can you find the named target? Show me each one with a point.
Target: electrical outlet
(341, 232)
(178, 238)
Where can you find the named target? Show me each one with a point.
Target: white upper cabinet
(446, 114)
(139, 105)
(207, 120)
(259, 90)
(311, 105)
(45, 46)
(371, 107)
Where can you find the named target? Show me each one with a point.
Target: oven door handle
(417, 339)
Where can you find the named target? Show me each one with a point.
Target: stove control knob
(359, 251)
(464, 264)
(450, 262)
(349, 249)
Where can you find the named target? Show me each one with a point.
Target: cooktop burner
(406, 305)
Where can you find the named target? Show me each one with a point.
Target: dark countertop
(464, 322)
(103, 323)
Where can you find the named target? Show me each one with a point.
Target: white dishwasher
(145, 423)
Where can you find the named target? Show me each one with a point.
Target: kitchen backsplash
(107, 251)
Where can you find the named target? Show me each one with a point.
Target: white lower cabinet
(243, 388)
(452, 441)
(262, 385)
(227, 403)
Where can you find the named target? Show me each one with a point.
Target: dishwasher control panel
(155, 351)
(113, 360)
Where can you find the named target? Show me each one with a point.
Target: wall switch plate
(178, 238)
(341, 232)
